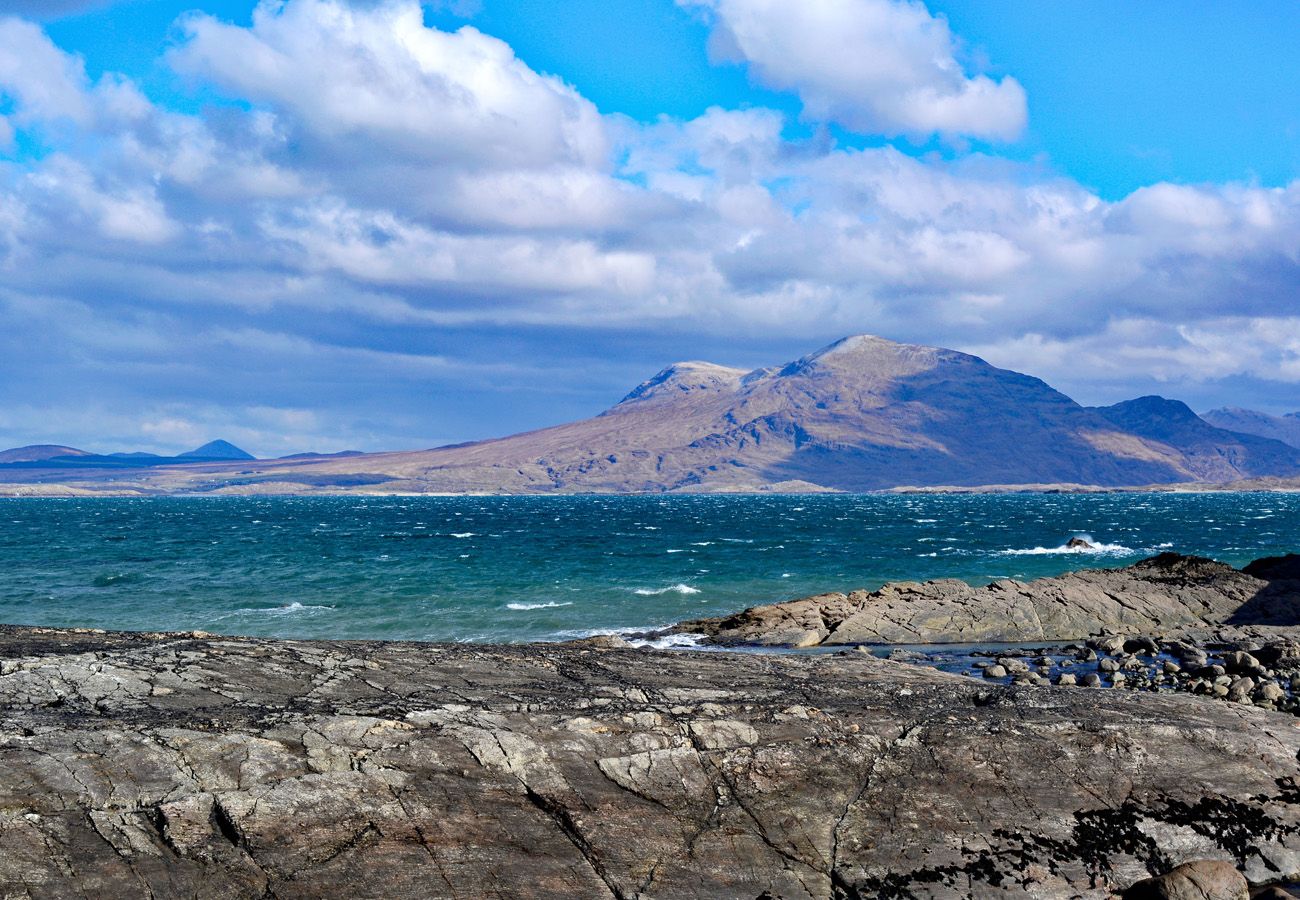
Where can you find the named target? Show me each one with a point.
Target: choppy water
(529, 568)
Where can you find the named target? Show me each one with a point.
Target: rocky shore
(1169, 595)
(168, 765)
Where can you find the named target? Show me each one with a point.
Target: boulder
(1201, 879)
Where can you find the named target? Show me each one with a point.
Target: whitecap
(288, 609)
(550, 604)
(670, 642)
(671, 589)
(1093, 550)
(461, 534)
(674, 551)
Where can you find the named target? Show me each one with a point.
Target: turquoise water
(530, 568)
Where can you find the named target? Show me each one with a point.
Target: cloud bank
(382, 234)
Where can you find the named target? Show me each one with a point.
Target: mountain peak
(869, 354)
(1155, 407)
(219, 450)
(684, 378)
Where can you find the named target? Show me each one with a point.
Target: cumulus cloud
(874, 66)
(417, 238)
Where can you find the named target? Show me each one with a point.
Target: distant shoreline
(71, 491)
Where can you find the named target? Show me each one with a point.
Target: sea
(560, 567)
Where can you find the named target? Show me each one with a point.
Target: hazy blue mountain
(1247, 421)
(218, 450)
(1210, 452)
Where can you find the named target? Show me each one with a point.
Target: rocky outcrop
(183, 765)
(1196, 880)
(1164, 595)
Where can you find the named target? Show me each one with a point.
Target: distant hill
(863, 413)
(1247, 421)
(1210, 453)
(38, 453)
(218, 450)
(339, 455)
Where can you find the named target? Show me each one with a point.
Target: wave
(670, 642)
(288, 609)
(550, 604)
(462, 534)
(671, 589)
(1093, 549)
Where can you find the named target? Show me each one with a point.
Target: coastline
(161, 763)
(1145, 718)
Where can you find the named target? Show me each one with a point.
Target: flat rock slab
(174, 765)
(1168, 594)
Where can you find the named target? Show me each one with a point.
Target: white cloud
(44, 83)
(339, 72)
(444, 208)
(874, 66)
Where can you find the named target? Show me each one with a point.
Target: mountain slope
(38, 453)
(1247, 421)
(1211, 454)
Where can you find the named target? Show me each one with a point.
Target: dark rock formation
(1163, 595)
(179, 765)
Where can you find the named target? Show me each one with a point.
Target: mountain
(38, 453)
(862, 414)
(217, 450)
(1247, 421)
(1210, 454)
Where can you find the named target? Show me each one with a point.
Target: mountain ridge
(860, 414)
(1285, 428)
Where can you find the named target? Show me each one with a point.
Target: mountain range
(861, 414)
(1247, 421)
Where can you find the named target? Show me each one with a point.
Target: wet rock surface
(1168, 594)
(176, 765)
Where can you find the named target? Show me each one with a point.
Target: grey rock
(169, 765)
(1167, 592)
(995, 671)
(1201, 879)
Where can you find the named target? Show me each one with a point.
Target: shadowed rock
(1164, 595)
(175, 765)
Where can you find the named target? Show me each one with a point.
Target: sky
(375, 224)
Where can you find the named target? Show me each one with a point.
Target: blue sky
(333, 225)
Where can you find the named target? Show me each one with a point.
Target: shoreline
(158, 763)
(74, 489)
